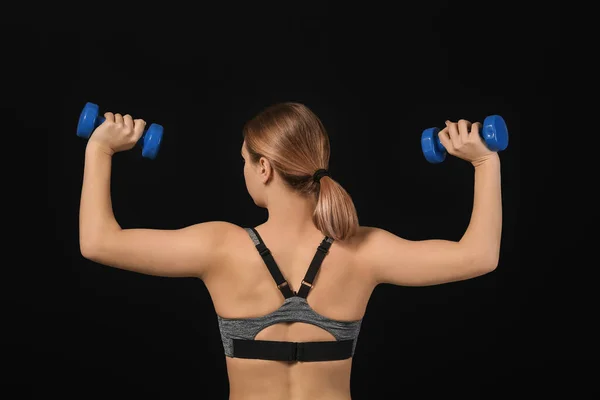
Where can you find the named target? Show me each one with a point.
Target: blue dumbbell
(493, 132)
(90, 120)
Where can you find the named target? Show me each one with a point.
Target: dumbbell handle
(487, 132)
(100, 120)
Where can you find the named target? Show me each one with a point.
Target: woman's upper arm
(392, 259)
(186, 252)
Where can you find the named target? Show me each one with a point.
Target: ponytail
(335, 214)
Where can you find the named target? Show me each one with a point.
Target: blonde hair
(296, 143)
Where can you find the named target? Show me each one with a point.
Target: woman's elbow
(487, 264)
(91, 248)
(481, 263)
(88, 249)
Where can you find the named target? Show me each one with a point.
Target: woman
(291, 297)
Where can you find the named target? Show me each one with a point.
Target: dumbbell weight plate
(495, 133)
(433, 151)
(152, 140)
(87, 119)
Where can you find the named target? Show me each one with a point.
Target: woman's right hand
(462, 139)
(117, 133)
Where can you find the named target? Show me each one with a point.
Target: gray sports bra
(238, 334)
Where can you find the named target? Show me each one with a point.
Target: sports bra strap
(265, 253)
(317, 260)
(282, 284)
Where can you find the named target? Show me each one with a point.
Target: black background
(376, 77)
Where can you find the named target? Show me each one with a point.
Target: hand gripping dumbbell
(90, 120)
(493, 132)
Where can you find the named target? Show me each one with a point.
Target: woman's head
(295, 143)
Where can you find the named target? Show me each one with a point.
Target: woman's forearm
(96, 216)
(482, 237)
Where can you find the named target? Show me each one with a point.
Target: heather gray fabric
(294, 309)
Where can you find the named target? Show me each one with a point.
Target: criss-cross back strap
(265, 253)
(281, 282)
(307, 282)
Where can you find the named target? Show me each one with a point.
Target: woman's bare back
(242, 287)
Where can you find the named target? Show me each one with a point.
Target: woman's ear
(266, 170)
